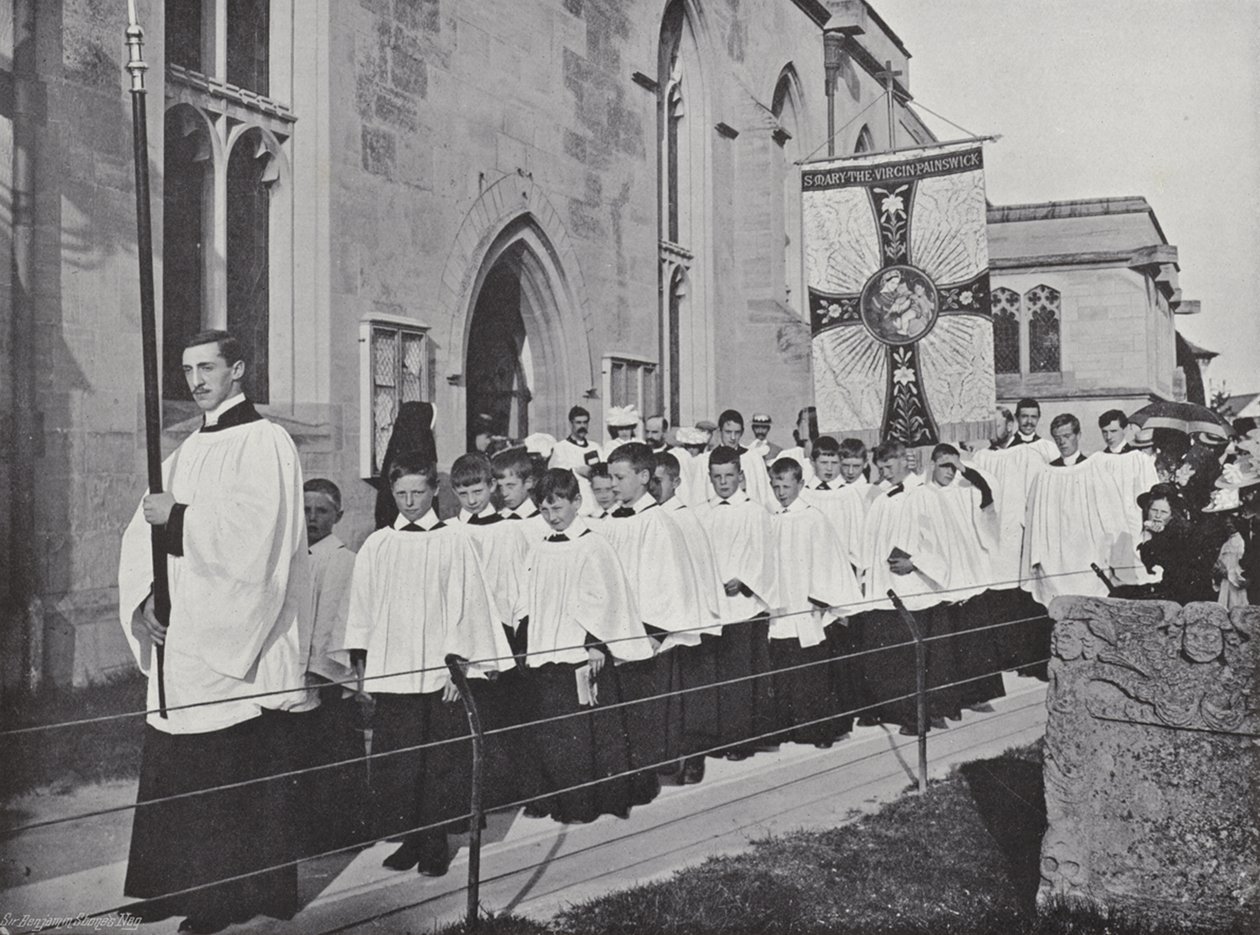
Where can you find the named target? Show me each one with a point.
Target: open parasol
(1181, 417)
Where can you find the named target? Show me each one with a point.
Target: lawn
(66, 757)
(960, 860)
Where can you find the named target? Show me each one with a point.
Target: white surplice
(415, 597)
(739, 530)
(1012, 471)
(700, 550)
(575, 587)
(1081, 514)
(845, 506)
(239, 623)
(332, 566)
(502, 548)
(897, 521)
(756, 479)
(810, 567)
(650, 547)
(962, 533)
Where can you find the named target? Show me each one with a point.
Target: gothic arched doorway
(518, 370)
(499, 372)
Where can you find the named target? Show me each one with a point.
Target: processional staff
(148, 326)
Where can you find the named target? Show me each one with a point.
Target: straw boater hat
(1245, 472)
(705, 425)
(540, 443)
(1224, 499)
(760, 418)
(1145, 438)
(621, 416)
(687, 435)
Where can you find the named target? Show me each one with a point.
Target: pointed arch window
(226, 231)
(1005, 330)
(1042, 306)
(785, 106)
(865, 141)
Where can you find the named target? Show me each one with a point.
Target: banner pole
(148, 327)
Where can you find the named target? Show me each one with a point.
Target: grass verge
(62, 758)
(960, 860)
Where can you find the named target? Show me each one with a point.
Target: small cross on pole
(887, 76)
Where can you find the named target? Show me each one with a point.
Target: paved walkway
(532, 867)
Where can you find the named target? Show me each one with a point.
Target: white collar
(645, 502)
(427, 522)
(1073, 457)
(215, 414)
(526, 510)
(464, 516)
(796, 506)
(330, 543)
(1026, 439)
(573, 530)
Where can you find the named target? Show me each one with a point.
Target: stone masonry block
(1150, 761)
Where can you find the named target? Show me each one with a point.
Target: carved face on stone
(1203, 641)
(1069, 639)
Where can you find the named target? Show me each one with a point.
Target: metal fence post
(456, 664)
(920, 684)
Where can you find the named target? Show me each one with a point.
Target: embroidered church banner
(897, 257)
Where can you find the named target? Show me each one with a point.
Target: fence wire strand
(466, 816)
(843, 611)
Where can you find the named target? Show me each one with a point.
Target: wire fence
(478, 737)
(848, 609)
(523, 725)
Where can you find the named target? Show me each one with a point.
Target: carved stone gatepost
(1152, 761)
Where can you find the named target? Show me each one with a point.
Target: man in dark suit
(1112, 424)
(1027, 415)
(1065, 429)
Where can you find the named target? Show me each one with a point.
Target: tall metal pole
(920, 685)
(457, 665)
(148, 325)
(833, 59)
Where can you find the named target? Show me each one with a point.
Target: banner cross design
(900, 316)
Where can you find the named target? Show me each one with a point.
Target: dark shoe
(868, 720)
(434, 865)
(404, 858)
(204, 926)
(939, 723)
(824, 744)
(693, 770)
(907, 731)
(535, 810)
(982, 708)
(737, 755)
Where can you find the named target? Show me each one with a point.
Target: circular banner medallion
(899, 304)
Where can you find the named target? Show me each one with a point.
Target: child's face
(321, 516)
(851, 468)
(602, 488)
(726, 479)
(731, 433)
(412, 496)
(786, 488)
(474, 497)
(628, 484)
(513, 490)
(663, 485)
(943, 473)
(826, 466)
(559, 513)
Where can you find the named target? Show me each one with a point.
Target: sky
(1096, 98)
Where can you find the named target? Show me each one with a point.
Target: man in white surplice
(232, 526)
